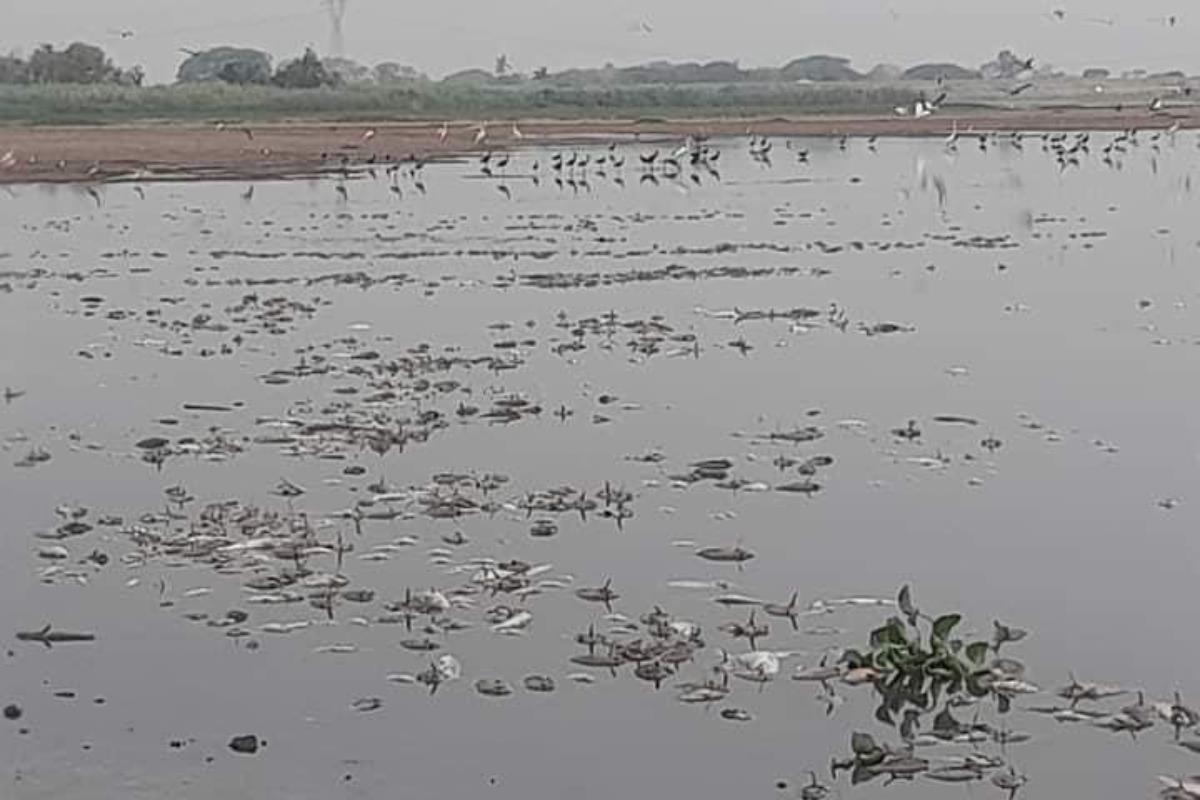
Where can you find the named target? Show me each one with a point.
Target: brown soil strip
(169, 151)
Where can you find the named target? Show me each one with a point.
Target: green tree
(306, 72)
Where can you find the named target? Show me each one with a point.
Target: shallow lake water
(1053, 308)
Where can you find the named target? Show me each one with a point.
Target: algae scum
(589, 472)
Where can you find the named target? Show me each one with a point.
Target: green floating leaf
(943, 625)
(977, 652)
(1004, 634)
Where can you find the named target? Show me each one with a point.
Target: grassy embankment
(93, 104)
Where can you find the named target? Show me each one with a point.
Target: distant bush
(239, 65)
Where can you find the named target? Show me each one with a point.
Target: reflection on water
(548, 482)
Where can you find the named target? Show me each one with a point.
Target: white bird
(368, 134)
(921, 109)
(443, 131)
(516, 132)
(952, 139)
(481, 133)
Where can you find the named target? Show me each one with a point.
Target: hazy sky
(445, 35)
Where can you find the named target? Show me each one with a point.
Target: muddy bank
(300, 149)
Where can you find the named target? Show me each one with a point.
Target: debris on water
(730, 554)
(493, 687)
(49, 637)
(539, 683)
(246, 744)
(367, 704)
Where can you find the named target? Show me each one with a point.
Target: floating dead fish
(49, 637)
(367, 704)
(493, 687)
(425, 645)
(514, 624)
(283, 627)
(954, 774)
(954, 419)
(698, 585)
(737, 600)
(726, 554)
(608, 661)
(598, 594)
(539, 683)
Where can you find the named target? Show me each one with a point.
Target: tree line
(76, 63)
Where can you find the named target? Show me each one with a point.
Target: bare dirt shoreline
(172, 151)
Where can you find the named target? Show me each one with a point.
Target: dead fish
(954, 419)
(401, 677)
(788, 611)
(698, 585)
(735, 555)
(1010, 781)
(653, 671)
(598, 594)
(514, 624)
(425, 645)
(367, 704)
(954, 774)
(49, 637)
(799, 487)
(737, 600)
(1077, 692)
(609, 661)
(493, 687)
(539, 683)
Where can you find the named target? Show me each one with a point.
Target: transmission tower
(337, 13)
